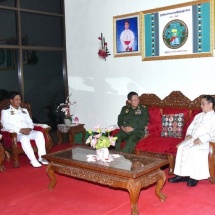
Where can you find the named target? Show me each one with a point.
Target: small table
(131, 172)
(71, 130)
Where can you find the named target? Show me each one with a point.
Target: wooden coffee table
(131, 172)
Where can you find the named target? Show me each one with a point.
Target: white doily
(94, 158)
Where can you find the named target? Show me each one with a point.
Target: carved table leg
(134, 191)
(52, 177)
(60, 137)
(159, 186)
(171, 159)
(83, 135)
(72, 138)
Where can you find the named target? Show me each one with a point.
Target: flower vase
(67, 121)
(102, 153)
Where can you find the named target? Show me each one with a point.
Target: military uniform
(137, 119)
(15, 119)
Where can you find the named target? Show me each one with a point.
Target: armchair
(10, 143)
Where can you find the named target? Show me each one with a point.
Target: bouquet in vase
(101, 138)
(64, 108)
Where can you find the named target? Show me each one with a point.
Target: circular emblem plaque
(175, 34)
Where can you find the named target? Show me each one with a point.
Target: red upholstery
(7, 139)
(163, 145)
(155, 117)
(154, 142)
(114, 132)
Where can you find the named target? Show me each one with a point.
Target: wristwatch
(133, 129)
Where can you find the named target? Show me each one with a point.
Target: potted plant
(64, 108)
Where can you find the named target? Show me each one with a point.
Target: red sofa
(165, 146)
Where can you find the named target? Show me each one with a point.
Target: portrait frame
(133, 46)
(167, 34)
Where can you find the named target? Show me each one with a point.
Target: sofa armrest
(114, 132)
(211, 161)
(9, 138)
(10, 132)
(41, 125)
(45, 130)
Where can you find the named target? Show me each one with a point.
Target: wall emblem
(175, 34)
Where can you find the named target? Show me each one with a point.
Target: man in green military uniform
(132, 121)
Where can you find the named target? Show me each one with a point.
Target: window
(32, 54)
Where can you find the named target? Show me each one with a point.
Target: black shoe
(192, 182)
(177, 179)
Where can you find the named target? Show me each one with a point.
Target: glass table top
(126, 162)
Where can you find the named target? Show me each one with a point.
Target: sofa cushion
(172, 125)
(185, 111)
(155, 118)
(158, 145)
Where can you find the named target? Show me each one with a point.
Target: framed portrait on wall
(178, 31)
(126, 35)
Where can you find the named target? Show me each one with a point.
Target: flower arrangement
(65, 107)
(103, 50)
(100, 138)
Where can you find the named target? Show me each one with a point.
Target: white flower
(65, 107)
(100, 138)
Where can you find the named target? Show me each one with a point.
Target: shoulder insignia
(24, 110)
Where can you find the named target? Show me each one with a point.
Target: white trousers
(26, 145)
(192, 160)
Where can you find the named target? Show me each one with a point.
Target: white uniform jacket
(13, 119)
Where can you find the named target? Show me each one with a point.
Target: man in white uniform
(127, 38)
(18, 119)
(192, 155)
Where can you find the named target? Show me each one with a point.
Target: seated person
(192, 154)
(18, 119)
(132, 121)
